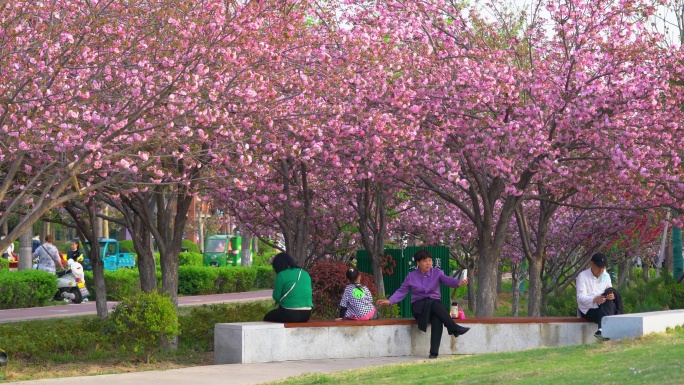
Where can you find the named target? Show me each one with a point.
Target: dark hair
(49, 238)
(283, 261)
(352, 274)
(421, 254)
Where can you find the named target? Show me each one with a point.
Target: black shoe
(600, 337)
(432, 356)
(459, 330)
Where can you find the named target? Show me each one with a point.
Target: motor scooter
(71, 283)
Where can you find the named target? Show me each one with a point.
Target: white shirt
(10, 249)
(48, 257)
(589, 287)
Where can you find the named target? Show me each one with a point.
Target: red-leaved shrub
(328, 281)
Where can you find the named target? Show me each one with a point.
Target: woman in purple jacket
(426, 305)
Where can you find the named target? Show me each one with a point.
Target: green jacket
(300, 296)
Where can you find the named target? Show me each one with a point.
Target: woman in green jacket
(292, 292)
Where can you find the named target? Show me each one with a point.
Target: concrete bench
(252, 342)
(637, 324)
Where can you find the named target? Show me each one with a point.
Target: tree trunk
(295, 224)
(622, 272)
(515, 281)
(668, 256)
(88, 230)
(534, 291)
(147, 266)
(499, 279)
(645, 271)
(246, 252)
(472, 283)
(378, 279)
(44, 230)
(488, 262)
(105, 223)
(25, 250)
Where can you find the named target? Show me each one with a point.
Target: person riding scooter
(71, 282)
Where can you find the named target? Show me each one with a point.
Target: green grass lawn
(653, 359)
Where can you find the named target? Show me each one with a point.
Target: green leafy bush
(197, 280)
(328, 281)
(126, 246)
(27, 288)
(120, 283)
(265, 248)
(261, 260)
(191, 246)
(654, 295)
(245, 277)
(265, 277)
(226, 280)
(4, 264)
(190, 259)
(41, 341)
(139, 325)
(561, 304)
(197, 327)
(391, 311)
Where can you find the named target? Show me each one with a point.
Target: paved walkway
(234, 374)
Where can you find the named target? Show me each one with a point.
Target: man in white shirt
(591, 286)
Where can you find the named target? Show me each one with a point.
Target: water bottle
(454, 310)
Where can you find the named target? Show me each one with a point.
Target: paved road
(87, 308)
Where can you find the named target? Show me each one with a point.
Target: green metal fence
(398, 263)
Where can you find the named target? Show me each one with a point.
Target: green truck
(222, 250)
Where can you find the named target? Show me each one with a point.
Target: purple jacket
(423, 285)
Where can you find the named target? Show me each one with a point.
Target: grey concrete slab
(637, 324)
(232, 374)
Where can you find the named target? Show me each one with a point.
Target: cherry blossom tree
(560, 99)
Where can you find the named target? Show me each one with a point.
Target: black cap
(599, 260)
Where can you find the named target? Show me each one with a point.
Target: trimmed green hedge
(120, 283)
(197, 280)
(192, 280)
(48, 340)
(265, 277)
(34, 288)
(126, 246)
(28, 288)
(190, 245)
(4, 264)
(190, 259)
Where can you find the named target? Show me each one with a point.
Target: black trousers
(439, 319)
(287, 315)
(604, 309)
